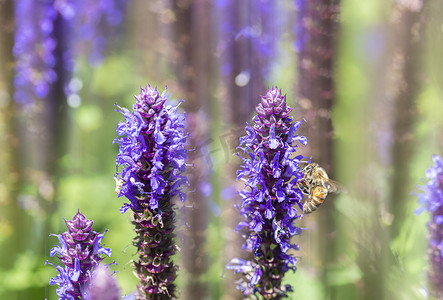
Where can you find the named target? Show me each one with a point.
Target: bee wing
(333, 186)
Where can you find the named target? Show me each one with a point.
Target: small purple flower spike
(152, 159)
(80, 252)
(270, 172)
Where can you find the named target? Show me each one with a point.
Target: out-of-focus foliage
(144, 54)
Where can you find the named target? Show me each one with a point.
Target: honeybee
(316, 184)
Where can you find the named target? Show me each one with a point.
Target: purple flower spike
(152, 161)
(270, 171)
(80, 252)
(432, 201)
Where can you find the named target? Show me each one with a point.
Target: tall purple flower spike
(270, 171)
(80, 252)
(152, 159)
(432, 201)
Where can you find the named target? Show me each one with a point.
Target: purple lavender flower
(80, 252)
(152, 159)
(270, 172)
(432, 201)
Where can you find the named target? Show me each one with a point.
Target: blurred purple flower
(270, 173)
(432, 201)
(299, 28)
(152, 159)
(94, 22)
(33, 49)
(80, 252)
(102, 286)
(83, 24)
(254, 23)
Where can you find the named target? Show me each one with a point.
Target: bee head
(308, 169)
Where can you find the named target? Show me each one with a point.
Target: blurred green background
(375, 134)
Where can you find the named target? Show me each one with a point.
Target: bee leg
(308, 207)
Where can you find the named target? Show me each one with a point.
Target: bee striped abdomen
(319, 194)
(316, 198)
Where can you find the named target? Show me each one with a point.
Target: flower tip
(124, 208)
(119, 108)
